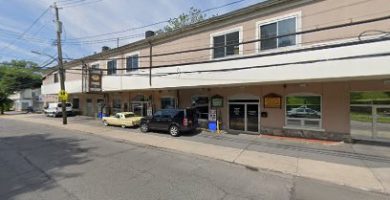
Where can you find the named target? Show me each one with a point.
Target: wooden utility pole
(60, 64)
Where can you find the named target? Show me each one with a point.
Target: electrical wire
(338, 26)
(114, 38)
(25, 31)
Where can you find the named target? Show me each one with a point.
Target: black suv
(174, 121)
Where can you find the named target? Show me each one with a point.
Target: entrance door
(252, 117)
(381, 120)
(370, 122)
(237, 117)
(89, 108)
(139, 108)
(244, 116)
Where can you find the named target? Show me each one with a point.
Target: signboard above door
(272, 101)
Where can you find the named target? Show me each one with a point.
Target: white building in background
(27, 98)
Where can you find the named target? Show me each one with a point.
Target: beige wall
(334, 96)
(316, 15)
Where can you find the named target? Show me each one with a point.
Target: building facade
(26, 98)
(304, 68)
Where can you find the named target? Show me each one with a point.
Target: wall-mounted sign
(95, 80)
(213, 115)
(217, 101)
(272, 101)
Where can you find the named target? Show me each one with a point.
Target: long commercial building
(303, 68)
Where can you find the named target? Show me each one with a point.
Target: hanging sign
(272, 101)
(95, 80)
(216, 101)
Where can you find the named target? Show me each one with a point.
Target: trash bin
(100, 115)
(212, 126)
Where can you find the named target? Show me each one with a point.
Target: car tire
(174, 131)
(144, 127)
(105, 123)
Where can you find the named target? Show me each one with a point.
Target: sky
(21, 32)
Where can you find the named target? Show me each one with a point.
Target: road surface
(42, 162)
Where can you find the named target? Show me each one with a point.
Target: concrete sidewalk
(353, 169)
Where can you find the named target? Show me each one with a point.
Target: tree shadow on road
(32, 164)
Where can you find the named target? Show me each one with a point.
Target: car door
(166, 119)
(116, 120)
(155, 120)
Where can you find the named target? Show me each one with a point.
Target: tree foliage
(193, 16)
(15, 76)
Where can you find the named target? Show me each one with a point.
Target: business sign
(272, 101)
(216, 101)
(95, 80)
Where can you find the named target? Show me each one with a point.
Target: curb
(249, 159)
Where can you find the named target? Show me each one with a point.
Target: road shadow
(32, 164)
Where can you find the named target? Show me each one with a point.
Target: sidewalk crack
(244, 149)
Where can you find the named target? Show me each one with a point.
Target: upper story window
(132, 63)
(111, 67)
(95, 66)
(55, 77)
(268, 31)
(226, 44)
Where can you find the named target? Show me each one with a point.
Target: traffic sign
(63, 95)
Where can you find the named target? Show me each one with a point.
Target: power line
(268, 54)
(263, 39)
(152, 24)
(207, 10)
(28, 29)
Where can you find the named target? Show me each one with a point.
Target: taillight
(185, 121)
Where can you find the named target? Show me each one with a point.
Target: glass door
(382, 122)
(237, 117)
(244, 117)
(252, 117)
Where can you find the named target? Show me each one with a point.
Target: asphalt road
(42, 162)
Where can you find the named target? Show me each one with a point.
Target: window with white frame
(111, 67)
(132, 63)
(226, 44)
(303, 111)
(168, 102)
(270, 32)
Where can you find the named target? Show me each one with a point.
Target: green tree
(15, 76)
(184, 19)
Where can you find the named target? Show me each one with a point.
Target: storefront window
(116, 105)
(201, 106)
(303, 111)
(168, 102)
(76, 103)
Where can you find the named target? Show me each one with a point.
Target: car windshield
(129, 115)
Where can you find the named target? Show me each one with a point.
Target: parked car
(123, 119)
(175, 121)
(303, 112)
(55, 109)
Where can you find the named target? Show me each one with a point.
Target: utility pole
(60, 64)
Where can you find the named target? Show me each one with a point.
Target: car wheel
(123, 126)
(174, 131)
(144, 128)
(105, 123)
